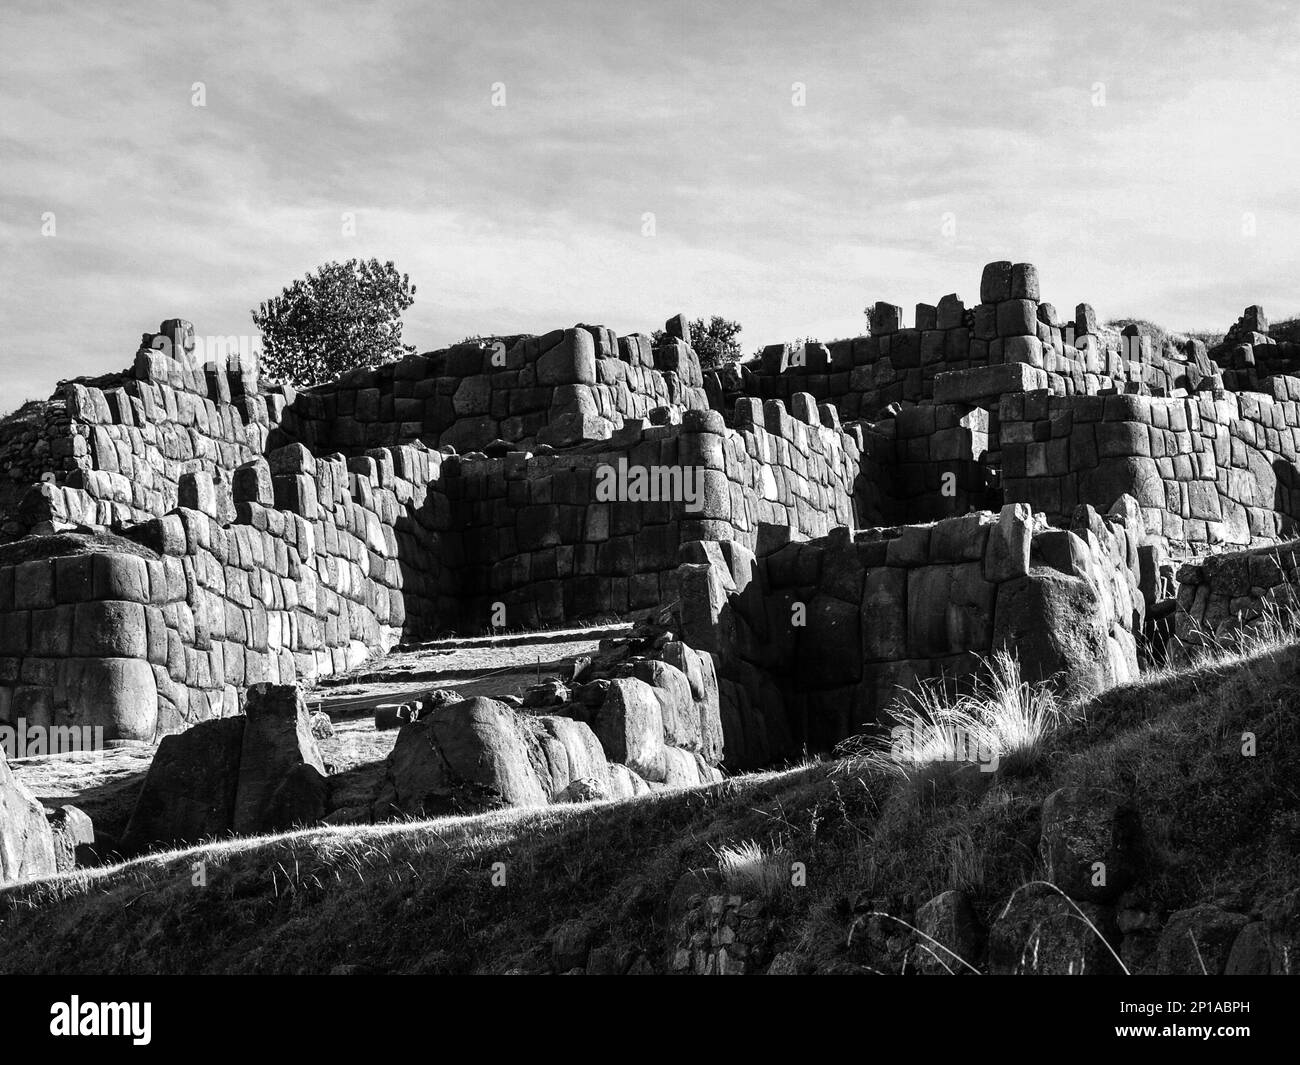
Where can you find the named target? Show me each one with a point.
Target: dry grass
(750, 870)
(1244, 637)
(1000, 723)
(419, 897)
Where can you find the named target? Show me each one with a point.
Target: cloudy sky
(799, 160)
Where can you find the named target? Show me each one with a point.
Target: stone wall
(115, 450)
(812, 642)
(1226, 596)
(538, 535)
(929, 462)
(563, 387)
(326, 562)
(34, 443)
(298, 566)
(1217, 468)
(1009, 327)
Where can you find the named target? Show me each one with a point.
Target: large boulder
(702, 676)
(72, 831)
(949, 920)
(677, 707)
(630, 727)
(1198, 941)
(1089, 844)
(26, 842)
(464, 757)
(1055, 625)
(277, 739)
(570, 752)
(1039, 933)
(625, 784)
(189, 791)
(302, 799)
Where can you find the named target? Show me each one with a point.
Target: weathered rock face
(247, 774)
(1055, 625)
(26, 842)
(189, 792)
(1038, 933)
(1198, 941)
(72, 831)
(277, 739)
(949, 920)
(630, 728)
(464, 757)
(1090, 845)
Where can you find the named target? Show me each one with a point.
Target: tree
(714, 343)
(343, 316)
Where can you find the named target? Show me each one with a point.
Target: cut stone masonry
(992, 476)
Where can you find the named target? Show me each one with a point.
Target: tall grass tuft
(748, 869)
(1000, 723)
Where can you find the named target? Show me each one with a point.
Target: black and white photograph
(696, 488)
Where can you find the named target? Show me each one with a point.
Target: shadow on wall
(1286, 499)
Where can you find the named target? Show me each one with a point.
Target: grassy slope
(418, 898)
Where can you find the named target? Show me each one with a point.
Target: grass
(420, 897)
(1274, 625)
(750, 870)
(1286, 330)
(1001, 722)
(1161, 336)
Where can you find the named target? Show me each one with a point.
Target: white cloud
(788, 219)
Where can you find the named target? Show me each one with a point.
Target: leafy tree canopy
(714, 342)
(342, 316)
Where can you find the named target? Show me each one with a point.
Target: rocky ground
(106, 784)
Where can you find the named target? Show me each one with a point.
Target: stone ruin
(804, 535)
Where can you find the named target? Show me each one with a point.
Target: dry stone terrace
(866, 514)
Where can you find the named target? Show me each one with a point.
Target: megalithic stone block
(189, 792)
(1024, 281)
(571, 361)
(775, 359)
(251, 483)
(26, 842)
(1254, 319)
(677, 326)
(197, 492)
(951, 312)
(1007, 553)
(1085, 320)
(277, 737)
(749, 413)
(179, 334)
(1017, 318)
(995, 283)
(886, 318)
(985, 382)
